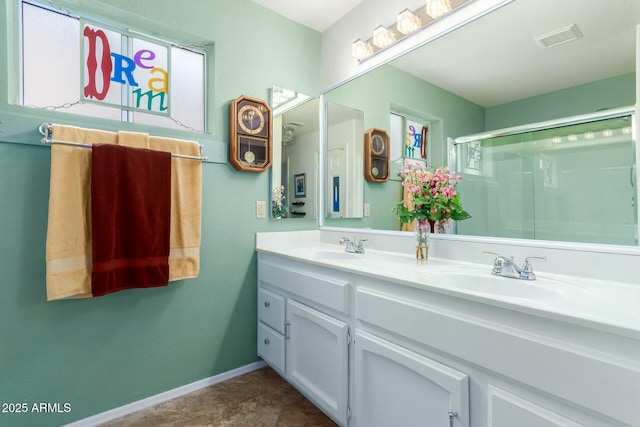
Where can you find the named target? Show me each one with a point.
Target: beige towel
(186, 206)
(68, 247)
(134, 139)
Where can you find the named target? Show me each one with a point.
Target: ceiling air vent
(558, 37)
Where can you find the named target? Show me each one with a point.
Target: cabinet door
(317, 358)
(397, 387)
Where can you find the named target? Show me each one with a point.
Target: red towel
(130, 218)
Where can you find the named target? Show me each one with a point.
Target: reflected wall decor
(300, 184)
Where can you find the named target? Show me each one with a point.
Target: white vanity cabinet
(303, 331)
(370, 350)
(522, 370)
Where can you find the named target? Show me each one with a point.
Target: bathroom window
(71, 64)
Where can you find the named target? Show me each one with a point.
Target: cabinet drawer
(320, 288)
(271, 309)
(271, 347)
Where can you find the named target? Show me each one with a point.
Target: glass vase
(422, 229)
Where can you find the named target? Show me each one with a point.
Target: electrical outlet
(367, 209)
(261, 209)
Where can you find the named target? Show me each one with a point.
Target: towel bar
(46, 129)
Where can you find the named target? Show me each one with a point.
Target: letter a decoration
(125, 71)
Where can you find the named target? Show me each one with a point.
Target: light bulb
(361, 49)
(437, 8)
(382, 36)
(408, 22)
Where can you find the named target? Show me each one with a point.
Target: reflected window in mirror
(411, 139)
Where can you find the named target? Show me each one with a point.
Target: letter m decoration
(120, 68)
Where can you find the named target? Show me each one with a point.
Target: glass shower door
(584, 189)
(497, 186)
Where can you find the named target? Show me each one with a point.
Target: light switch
(261, 209)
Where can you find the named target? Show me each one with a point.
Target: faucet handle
(498, 262)
(499, 258)
(497, 255)
(527, 268)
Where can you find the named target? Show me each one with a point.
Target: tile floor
(259, 398)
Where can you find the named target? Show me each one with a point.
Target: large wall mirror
(296, 142)
(501, 71)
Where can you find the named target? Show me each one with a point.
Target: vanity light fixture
(437, 8)
(383, 37)
(361, 49)
(408, 22)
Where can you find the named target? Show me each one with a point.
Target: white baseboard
(130, 408)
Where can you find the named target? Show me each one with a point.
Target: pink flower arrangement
(432, 196)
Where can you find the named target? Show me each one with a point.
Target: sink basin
(329, 254)
(481, 282)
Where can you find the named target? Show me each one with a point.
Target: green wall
(101, 353)
(587, 98)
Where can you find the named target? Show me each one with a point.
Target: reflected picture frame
(300, 185)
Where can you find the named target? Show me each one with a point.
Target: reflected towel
(130, 209)
(408, 197)
(186, 206)
(68, 246)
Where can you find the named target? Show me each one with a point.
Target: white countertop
(606, 305)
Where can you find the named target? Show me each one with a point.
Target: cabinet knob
(266, 341)
(267, 303)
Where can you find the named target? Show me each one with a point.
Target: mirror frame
(404, 48)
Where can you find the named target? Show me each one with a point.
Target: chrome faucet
(506, 267)
(356, 248)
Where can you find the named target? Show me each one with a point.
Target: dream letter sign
(125, 71)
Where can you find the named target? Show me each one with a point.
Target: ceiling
(503, 63)
(316, 14)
